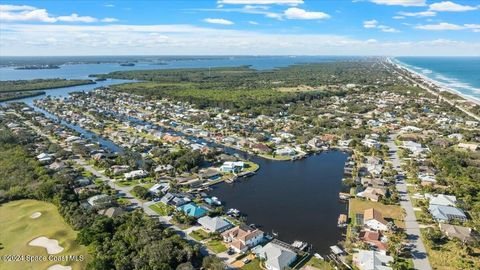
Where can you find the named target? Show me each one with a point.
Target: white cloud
(218, 21)
(60, 39)
(405, 3)
(109, 5)
(398, 17)
(75, 18)
(109, 20)
(440, 27)
(9, 13)
(450, 6)
(261, 2)
(253, 22)
(374, 24)
(16, 8)
(427, 13)
(370, 24)
(301, 14)
(387, 29)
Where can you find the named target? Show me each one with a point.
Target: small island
(48, 66)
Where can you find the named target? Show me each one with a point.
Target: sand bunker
(35, 215)
(59, 267)
(51, 245)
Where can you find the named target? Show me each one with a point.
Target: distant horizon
(236, 55)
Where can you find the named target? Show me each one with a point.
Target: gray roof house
(276, 257)
(446, 213)
(371, 260)
(441, 199)
(216, 224)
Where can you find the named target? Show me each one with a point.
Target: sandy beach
(430, 81)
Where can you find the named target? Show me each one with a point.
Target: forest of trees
(39, 84)
(251, 91)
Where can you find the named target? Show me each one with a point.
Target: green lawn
(253, 265)
(18, 229)
(251, 166)
(128, 183)
(162, 209)
(394, 212)
(318, 264)
(216, 246)
(199, 235)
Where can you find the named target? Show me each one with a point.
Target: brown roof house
(463, 234)
(241, 238)
(374, 220)
(374, 238)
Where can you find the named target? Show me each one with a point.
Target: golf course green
(26, 220)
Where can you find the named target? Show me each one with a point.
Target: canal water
(296, 200)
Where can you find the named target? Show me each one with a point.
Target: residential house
(100, 201)
(441, 199)
(135, 174)
(444, 213)
(44, 158)
(468, 146)
(241, 238)
(275, 256)
(193, 210)
(57, 166)
(373, 194)
(374, 220)
(463, 234)
(287, 151)
(215, 224)
(232, 166)
(372, 260)
(159, 188)
(111, 212)
(374, 239)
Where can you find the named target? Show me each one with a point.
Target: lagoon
(297, 200)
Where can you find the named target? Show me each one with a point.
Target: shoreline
(428, 80)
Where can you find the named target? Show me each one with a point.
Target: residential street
(420, 258)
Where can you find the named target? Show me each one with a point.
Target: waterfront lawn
(320, 264)
(251, 166)
(451, 255)
(18, 229)
(216, 246)
(162, 209)
(395, 212)
(199, 235)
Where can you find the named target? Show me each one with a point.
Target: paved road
(420, 258)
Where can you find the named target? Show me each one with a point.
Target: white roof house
(415, 148)
(215, 224)
(372, 260)
(441, 199)
(135, 174)
(277, 257)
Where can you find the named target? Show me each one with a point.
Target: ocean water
(461, 74)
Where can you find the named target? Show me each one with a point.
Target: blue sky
(270, 27)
